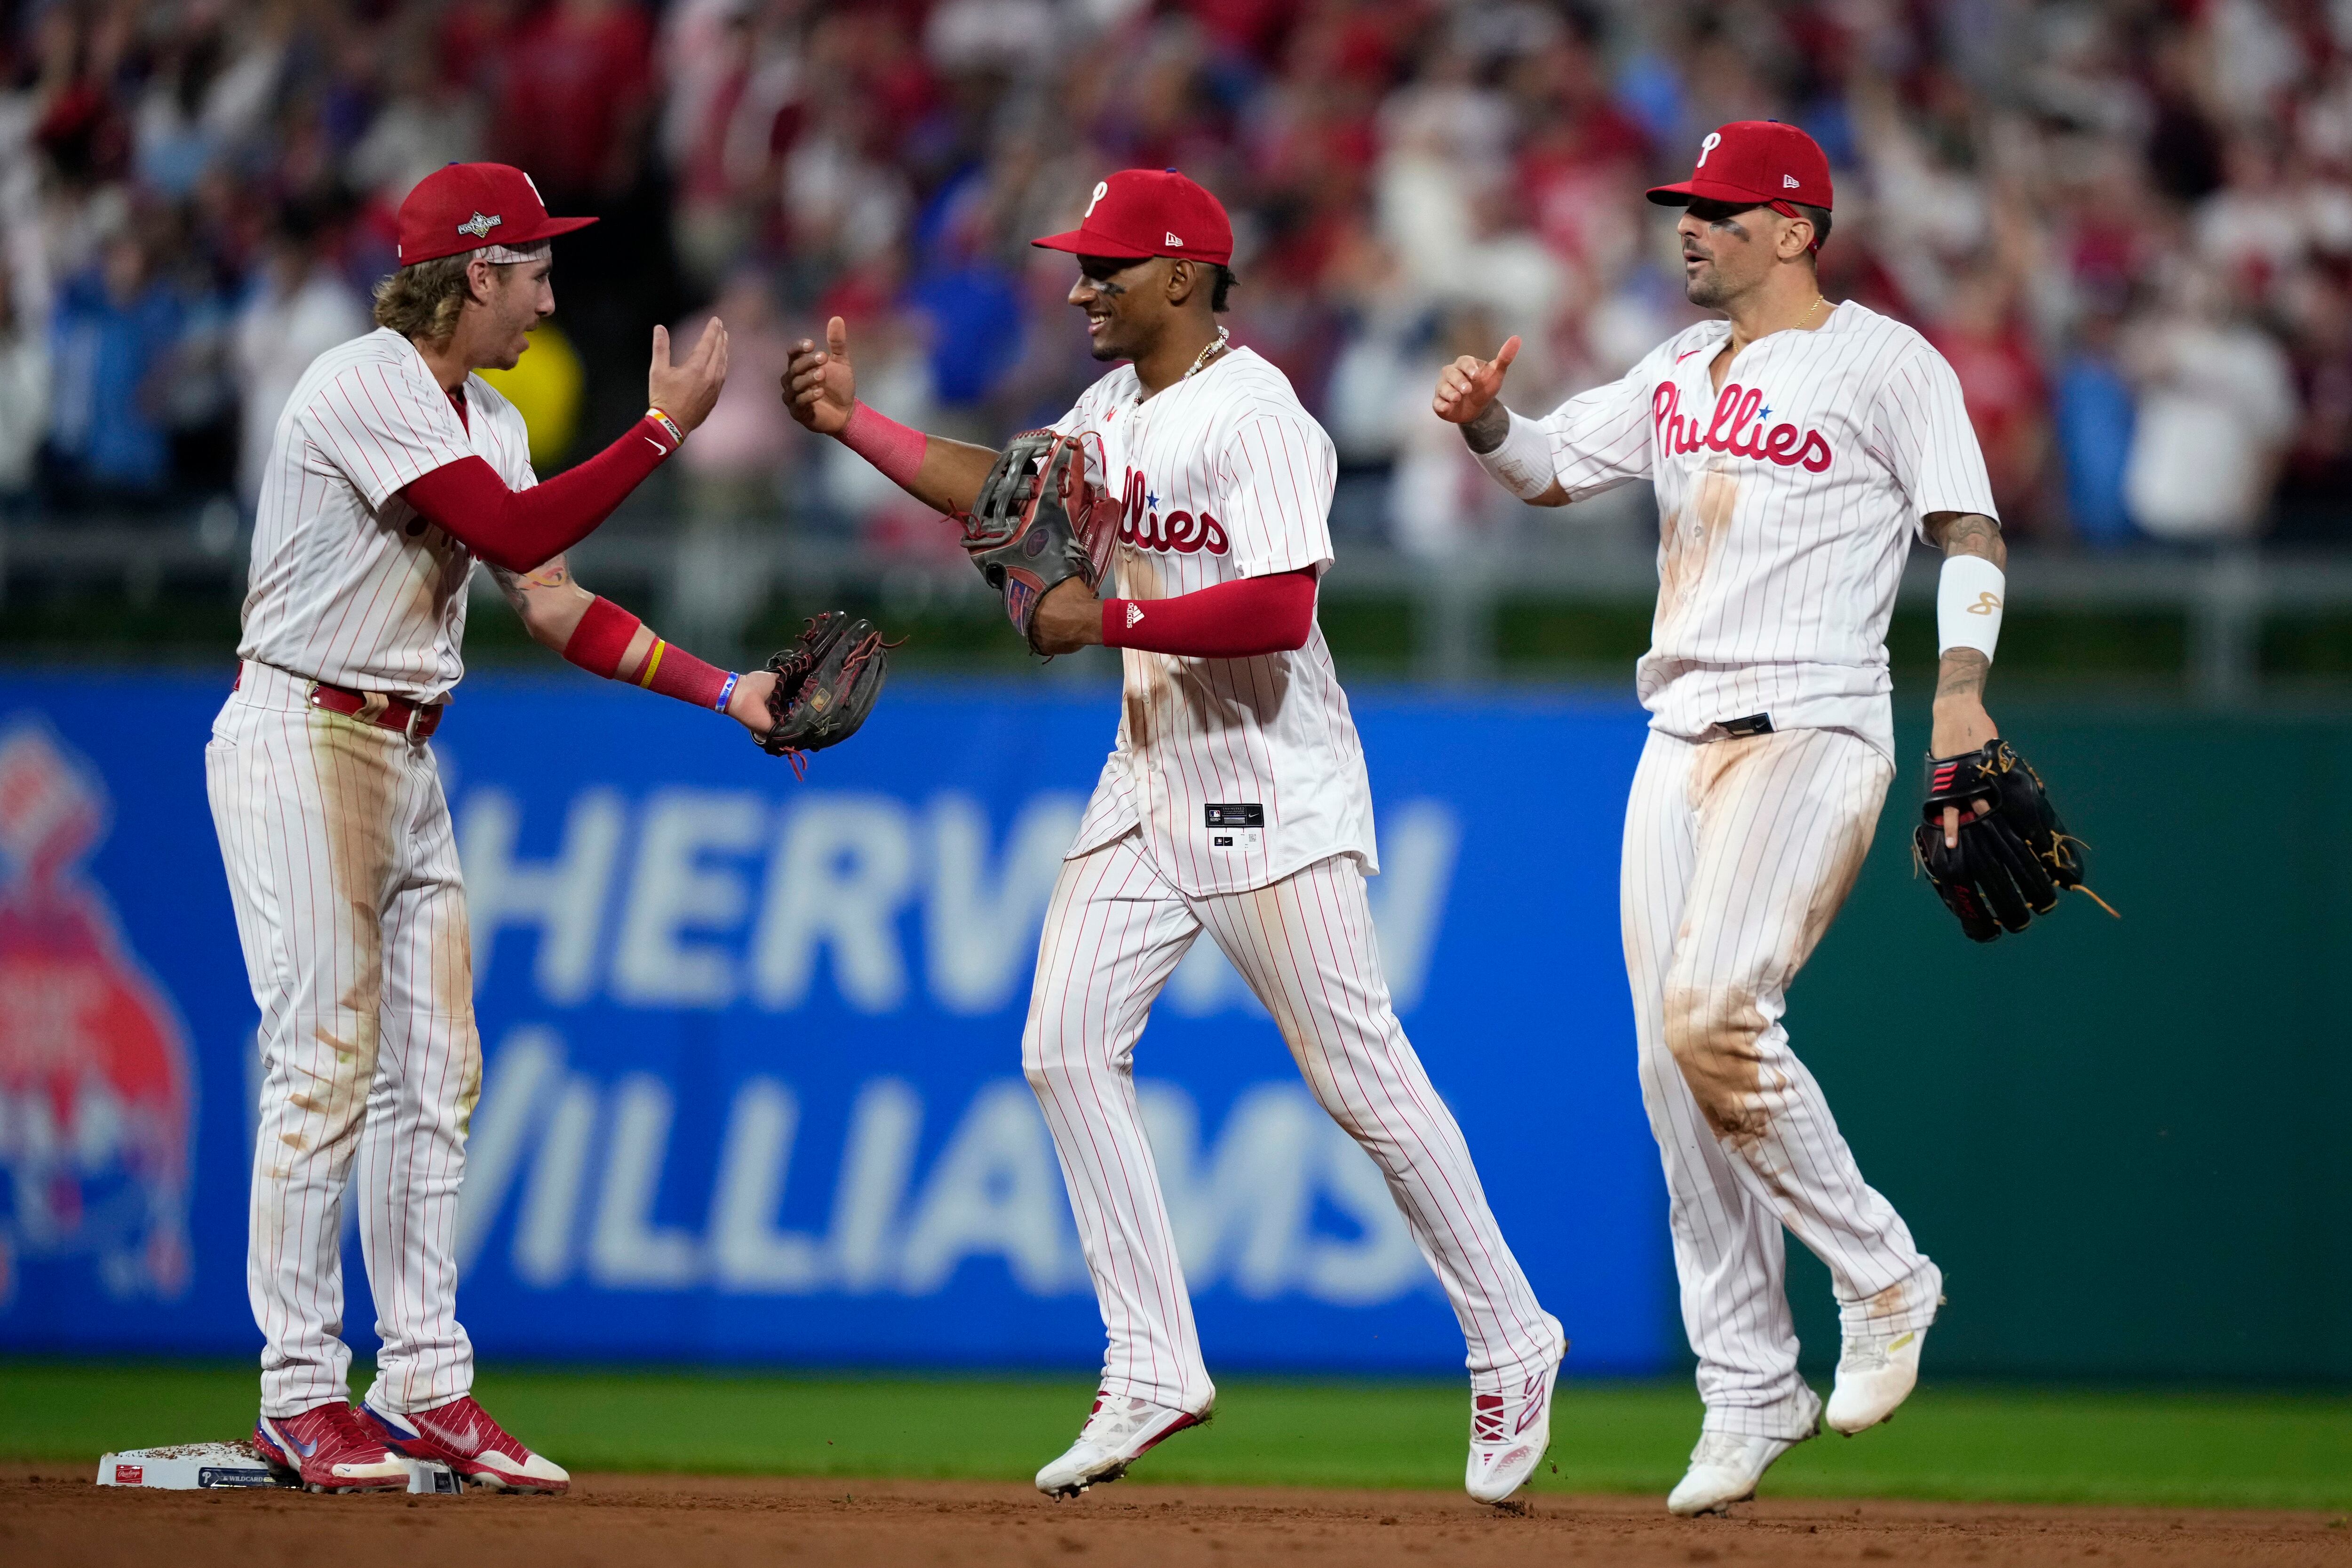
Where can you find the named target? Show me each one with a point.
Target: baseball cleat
(462, 1435)
(1875, 1372)
(1118, 1433)
(1724, 1469)
(1508, 1434)
(329, 1450)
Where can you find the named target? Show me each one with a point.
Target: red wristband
(882, 441)
(674, 672)
(601, 640)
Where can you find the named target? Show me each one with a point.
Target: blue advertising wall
(752, 1086)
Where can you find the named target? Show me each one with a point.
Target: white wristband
(1968, 597)
(1522, 464)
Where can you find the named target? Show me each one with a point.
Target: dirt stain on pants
(1715, 1034)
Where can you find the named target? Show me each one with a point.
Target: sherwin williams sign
(753, 1045)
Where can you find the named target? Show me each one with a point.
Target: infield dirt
(683, 1521)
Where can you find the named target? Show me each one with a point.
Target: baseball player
(1236, 803)
(394, 470)
(1794, 447)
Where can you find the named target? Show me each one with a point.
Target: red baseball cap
(1756, 162)
(465, 206)
(1150, 212)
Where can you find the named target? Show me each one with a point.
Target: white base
(193, 1467)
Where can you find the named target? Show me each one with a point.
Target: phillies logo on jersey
(95, 1081)
(1736, 427)
(1141, 525)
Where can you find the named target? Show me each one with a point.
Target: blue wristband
(725, 692)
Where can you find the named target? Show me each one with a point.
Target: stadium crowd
(2127, 224)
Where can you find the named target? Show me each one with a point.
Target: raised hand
(819, 386)
(688, 392)
(1468, 387)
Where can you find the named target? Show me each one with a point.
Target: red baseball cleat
(462, 1435)
(329, 1450)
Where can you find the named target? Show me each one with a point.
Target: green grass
(1967, 1442)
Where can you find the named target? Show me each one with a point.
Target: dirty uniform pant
(342, 868)
(1738, 853)
(1114, 933)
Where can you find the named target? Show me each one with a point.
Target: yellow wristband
(676, 435)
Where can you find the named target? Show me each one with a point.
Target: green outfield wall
(2125, 1141)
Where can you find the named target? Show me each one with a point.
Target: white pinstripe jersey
(1225, 476)
(1785, 505)
(349, 585)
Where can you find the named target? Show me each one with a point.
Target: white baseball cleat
(1118, 1433)
(1875, 1372)
(1508, 1434)
(1724, 1469)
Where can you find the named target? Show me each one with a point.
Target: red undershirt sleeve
(1227, 620)
(518, 530)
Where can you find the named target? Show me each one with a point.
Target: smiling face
(512, 299)
(1125, 301)
(1729, 250)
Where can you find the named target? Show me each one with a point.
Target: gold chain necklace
(1209, 351)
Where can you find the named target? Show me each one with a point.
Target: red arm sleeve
(1227, 620)
(520, 529)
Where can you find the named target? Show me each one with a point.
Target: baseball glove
(826, 683)
(2012, 860)
(1045, 515)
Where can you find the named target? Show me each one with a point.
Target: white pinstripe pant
(1738, 853)
(343, 870)
(1114, 933)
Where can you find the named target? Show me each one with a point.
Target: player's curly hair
(424, 300)
(1225, 287)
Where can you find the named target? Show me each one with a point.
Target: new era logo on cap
(1135, 213)
(1788, 182)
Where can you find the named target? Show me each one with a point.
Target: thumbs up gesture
(819, 387)
(1467, 386)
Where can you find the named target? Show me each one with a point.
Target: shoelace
(1118, 1420)
(1864, 1353)
(1486, 1423)
(1725, 1450)
(483, 1435)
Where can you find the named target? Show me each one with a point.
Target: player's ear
(1183, 278)
(1796, 235)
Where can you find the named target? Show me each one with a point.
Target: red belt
(418, 720)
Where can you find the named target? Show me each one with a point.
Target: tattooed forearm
(1968, 533)
(1961, 675)
(1486, 431)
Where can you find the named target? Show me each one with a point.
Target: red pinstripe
(1234, 442)
(1788, 613)
(394, 1098)
(340, 590)
(1115, 930)
(1722, 864)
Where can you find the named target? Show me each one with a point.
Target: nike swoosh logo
(657, 445)
(1679, 358)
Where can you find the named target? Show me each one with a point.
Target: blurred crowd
(2127, 224)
